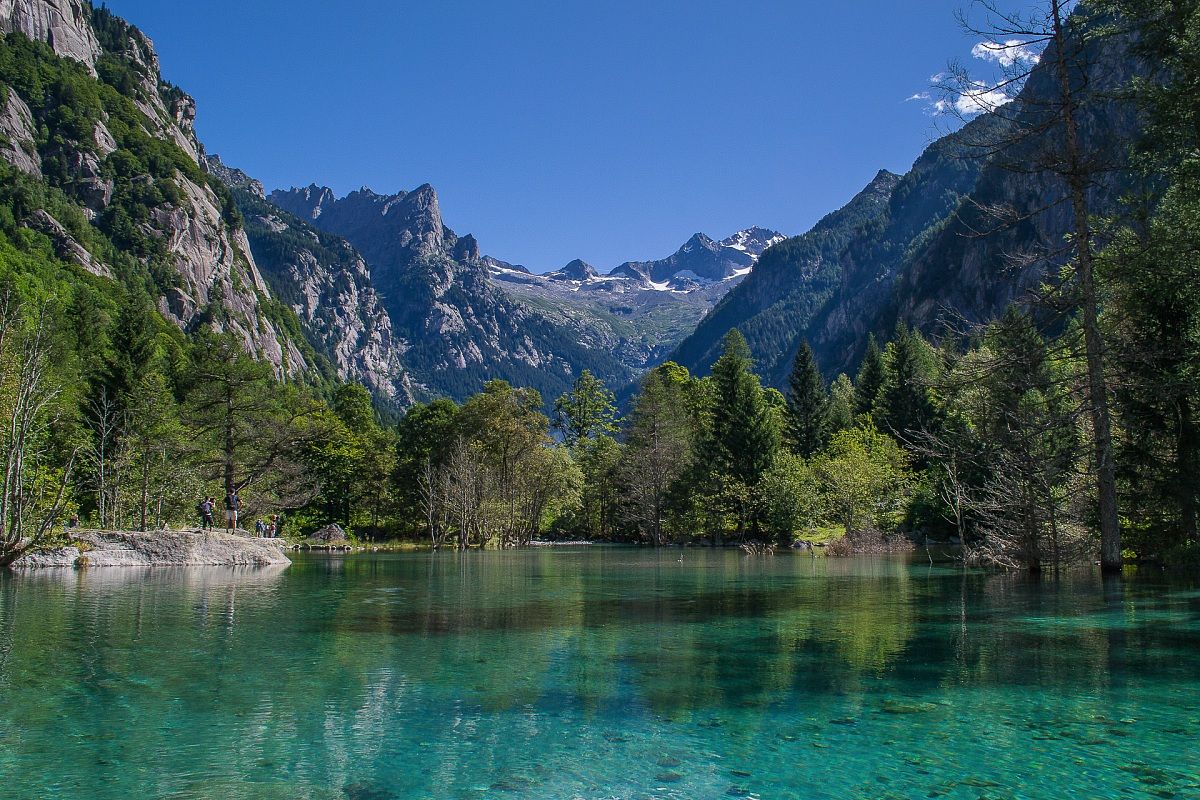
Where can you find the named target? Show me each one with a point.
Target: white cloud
(979, 96)
(1007, 53)
(973, 103)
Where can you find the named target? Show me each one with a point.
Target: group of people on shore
(270, 528)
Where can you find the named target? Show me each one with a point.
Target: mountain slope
(106, 165)
(910, 249)
(790, 282)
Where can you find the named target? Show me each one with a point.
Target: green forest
(1063, 431)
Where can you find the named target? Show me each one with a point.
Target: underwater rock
(904, 707)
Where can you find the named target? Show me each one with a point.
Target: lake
(597, 673)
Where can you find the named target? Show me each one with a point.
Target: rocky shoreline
(183, 548)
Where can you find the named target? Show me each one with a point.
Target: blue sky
(564, 129)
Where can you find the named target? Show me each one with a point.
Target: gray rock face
(577, 270)
(330, 533)
(159, 549)
(328, 284)
(378, 225)
(65, 246)
(216, 266)
(64, 24)
(18, 145)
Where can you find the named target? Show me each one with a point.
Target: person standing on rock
(206, 513)
(233, 504)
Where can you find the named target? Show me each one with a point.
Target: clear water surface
(596, 673)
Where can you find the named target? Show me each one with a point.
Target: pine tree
(133, 353)
(1151, 274)
(870, 378)
(659, 449)
(807, 405)
(744, 436)
(905, 405)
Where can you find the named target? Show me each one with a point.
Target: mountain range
(377, 288)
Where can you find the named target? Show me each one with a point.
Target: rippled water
(596, 673)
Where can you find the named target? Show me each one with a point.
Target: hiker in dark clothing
(205, 509)
(233, 504)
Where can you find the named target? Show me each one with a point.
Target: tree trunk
(230, 446)
(145, 503)
(1188, 482)
(1106, 479)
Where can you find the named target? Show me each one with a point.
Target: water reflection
(553, 674)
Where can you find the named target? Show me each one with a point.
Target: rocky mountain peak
(307, 203)
(698, 241)
(753, 241)
(577, 270)
(466, 249)
(233, 177)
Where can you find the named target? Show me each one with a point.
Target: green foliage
(587, 411)
(662, 440)
(863, 476)
(841, 404)
(791, 496)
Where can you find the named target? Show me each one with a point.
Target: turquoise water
(596, 673)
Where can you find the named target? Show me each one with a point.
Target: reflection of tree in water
(418, 671)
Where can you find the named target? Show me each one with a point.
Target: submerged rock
(159, 549)
(906, 707)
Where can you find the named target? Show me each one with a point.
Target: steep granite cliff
(86, 111)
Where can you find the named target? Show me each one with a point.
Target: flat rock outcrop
(184, 548)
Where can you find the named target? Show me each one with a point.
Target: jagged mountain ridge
(702, 260)
(633, 314)
(439, 294)
(327, 283)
